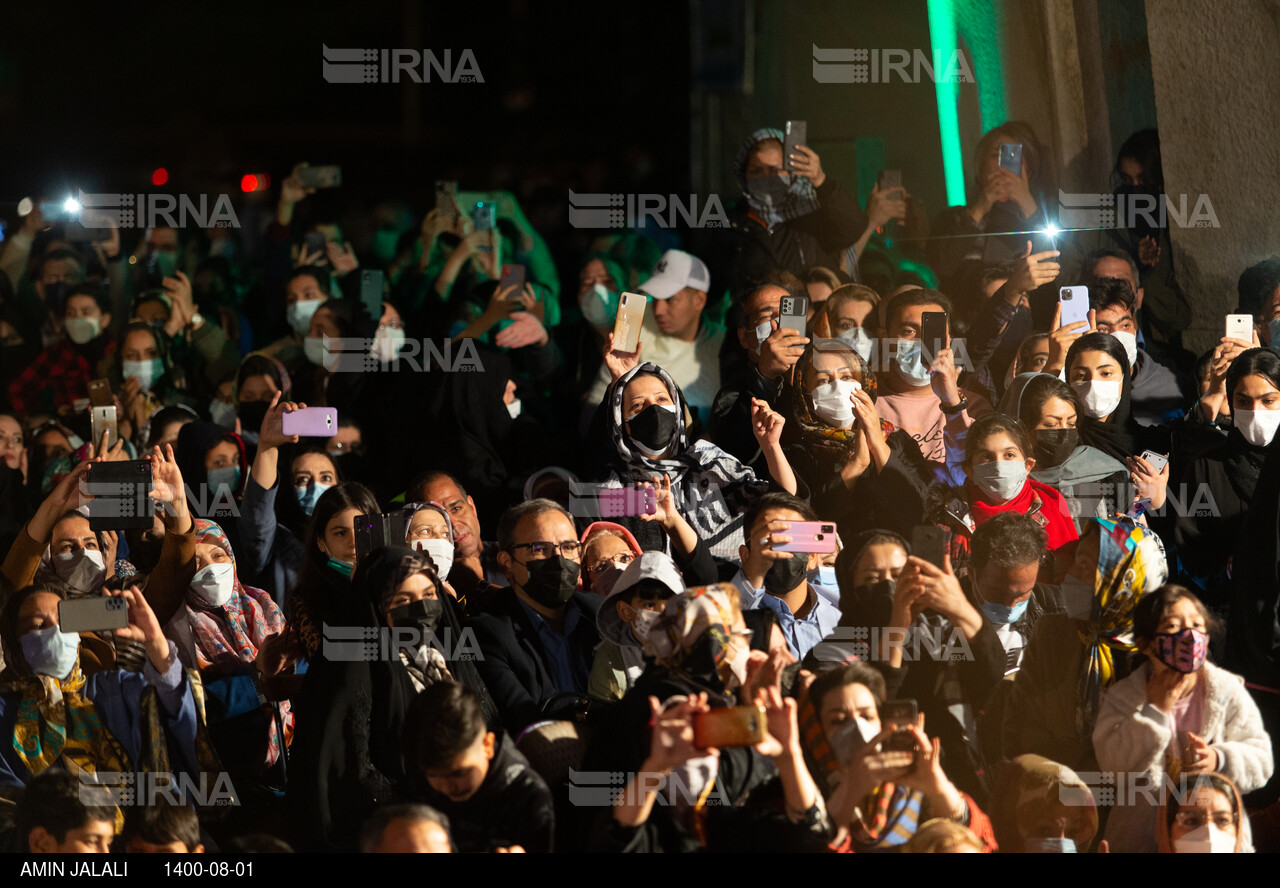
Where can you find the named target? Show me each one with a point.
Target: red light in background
(249, 183)
(160, 176)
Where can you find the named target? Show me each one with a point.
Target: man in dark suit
(537, 638)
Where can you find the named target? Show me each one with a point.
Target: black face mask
(424, 614)
(870, 604)
(653, 427)
(785, 574)
(552, 581)
(251, 414)
(1053, 446)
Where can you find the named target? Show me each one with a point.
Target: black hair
(775, 500)
(1104, 292)
(1038, 392)
(377, 822)
(318, 273)
(1256, 284)
(339, 498)
(513, 516)
(991, 424)
(648, 588)
(10, 639)
(842, 676)
(164, 821)
(259, 365)
(1259, 361)
(1151, 607)
(1103, 342)
(168, 415)
(1091, 261)
(918, 296)
(93, 291)
(779, 278)
(443, 722)
(1144, 147)
(52, 800)
(61, 255)
(1008, 540)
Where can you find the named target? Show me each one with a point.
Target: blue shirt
(567, 668)
(802, 635)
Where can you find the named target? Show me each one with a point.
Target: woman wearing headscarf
(709, 488)
(862, 472)
(407, 593)
(345, 758)
(146, 380)
(793, 215)
(878, 796)
(700, 648)
(1209, 817)
(114, 721)
(1074, 654)
(1088, 479)
(220, 630)
(213, 463)
(1039, 806)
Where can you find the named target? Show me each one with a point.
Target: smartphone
(1011, 157)
(378, 530)
(311, 422)
(97, 613)
(320, 176)
(512, 276)
(728, 726)
(1240, 327)
(1158, 461)
(796, 134)
(315, 242)
(890, 179)
(626, 328)
(371, 292)
(121, 494)
(619, 502)
(933, 333)
(102, 420)
(100, 393)
(447, 198)
(1075, 305)
(794, 313)
(809, 536)
(899, 715)
(484, 217)
(929, 543)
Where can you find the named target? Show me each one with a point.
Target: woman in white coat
(1176, 715)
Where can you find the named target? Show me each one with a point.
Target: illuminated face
(339, 539)
(1057, 413)
(1094, 365)
(879, 562)
(304, 288)
(851, 313)
(842, 704)
(1255, 392)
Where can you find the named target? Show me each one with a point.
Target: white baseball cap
(675, 271)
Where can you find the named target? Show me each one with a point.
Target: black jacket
(514, 664)
(730, 426)
(512, 806)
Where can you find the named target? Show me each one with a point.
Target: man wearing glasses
(537, 637)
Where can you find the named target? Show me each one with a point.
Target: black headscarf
(1120, 436)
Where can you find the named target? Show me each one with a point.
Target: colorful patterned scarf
(55, 720)
(809, 430)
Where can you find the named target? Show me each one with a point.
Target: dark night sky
(575, 94)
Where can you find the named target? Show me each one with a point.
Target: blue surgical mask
(1003, 615)
(909, 363)
(1050, 845)
(146, 372)
(225, 476)
(310, 495)
(51, 651)
(825, 575)
(343, 567)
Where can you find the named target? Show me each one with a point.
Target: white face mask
(314, 348)
(441, 552)
(222, 413)
(82, 570)
(1257, 426)
(763, 331)
(1101, 397)
(861, 341)
(81, 330)
(832, 404)
(214, 584)
(146, 372)
(1130, 343)
(514, 408)
(387, 343)
(299, 315)
(1207, 839)
(909, 363)
(1001, 480)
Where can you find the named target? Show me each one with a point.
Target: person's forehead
(765, 298)
(644, 385)
(443, 490)
(81, 302)
(1114, 309)
(533, 526)
(427, 516)
(777, 514)
(10, 425)
(72, 528)
(313, 462)
(40, 602)
(912, 314)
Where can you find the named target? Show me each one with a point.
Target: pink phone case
(311, 422)
(809, 536)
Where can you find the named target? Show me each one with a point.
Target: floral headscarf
(808, 429)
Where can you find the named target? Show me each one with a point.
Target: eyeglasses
(623, 558)
(1196, 818)
(570, 549)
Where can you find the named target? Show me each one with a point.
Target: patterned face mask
(1183, 651)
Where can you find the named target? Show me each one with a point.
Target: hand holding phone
(729, 726)
(795, 134)
(1011, 157)
(1240, 326)
(1075, 306)
(809, 537)
(794, 314)
(929, 543)
(512, 276)
(626, 328)
(95, 613)
(320, 176)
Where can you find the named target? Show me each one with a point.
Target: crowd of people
(866, 545)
